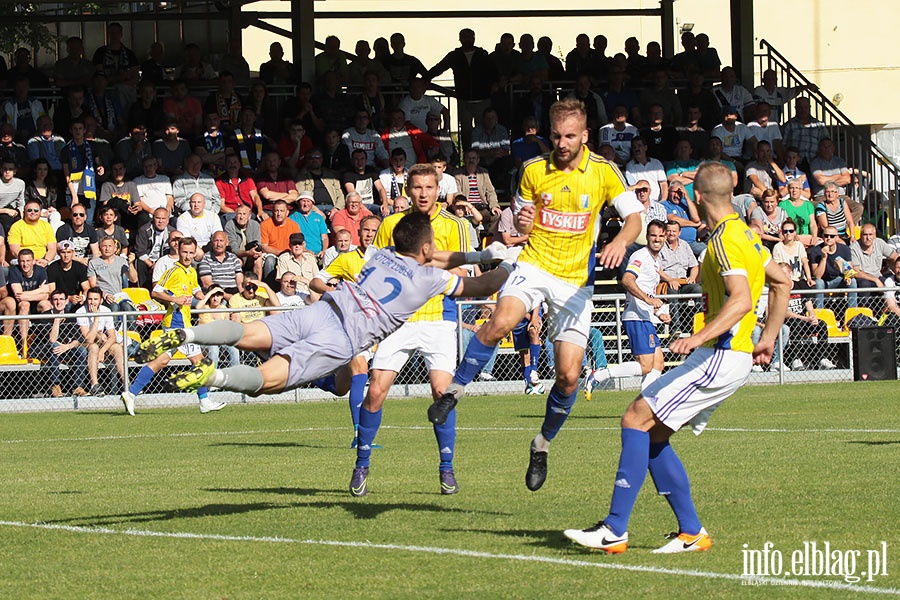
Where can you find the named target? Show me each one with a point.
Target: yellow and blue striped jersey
(733, 249)
(450, 233)
(178, 281)
(567, 205)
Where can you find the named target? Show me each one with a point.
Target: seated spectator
(46, 145)
(618, 133)
(697, 136)
(402, 134)
(81, 168)
(491, 141)
(714, 154)
(41, 187)
(617, 93)
(401, 203)
(362, 137)
(641, 166)
(147, 111)
(791, 252)
(681, 210)
(171, 151)
(323, 184)
(150, 243)
(109, 227)
(34, 234)
(447, 187)
(68, 275)
(225, 102)
(214, 298)
(251, 298)
(184, 109)
(133, 149)
(193, 69)
(832, 266)
(869, 254)
(312, 225)
(441, 135)
(248, 142)
(154, 190)
(680, 270)
(372, 101)
(660, 92)
(288, 295)
(892, 298)
(763, 129)
(475, 183)
(298, 261)
(275, 234)
(825, 168)
(529, 145)
(331, 104)
(294, 147)
(58, 341)
(220, 268)
(834, 211)
(168, 259)
(463, 210)
(237, 188)
(731, 94)
(773, 95)
(363, 180)
(12, 194)
(393, 180)
(74, 68)
(653, 210)
(535, 102)
(276, 70)
(103, 104)
(233, 60)
(593, 104)
(738, 142)
(101, 336)
(802, 323)
(244, 240)
(343, 243)
(199, 223)
(660, 138)
(194, 181)
(803, 131)
(22, 110)
(766, 219)
(332, 60)
(29, 292)
(350, 217)
(684, 168)
(264, 107)
(274, 183)
(792, 170)
(210, 147)
(153, 68)
(764, 173)
(505, 231)
(11, 149)
(417, 106)
(81, 234)
(300, 108)
(68, 109)
(108, 271)
(335, 155)
(362, 64)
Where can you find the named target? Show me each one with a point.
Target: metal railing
(880, 191)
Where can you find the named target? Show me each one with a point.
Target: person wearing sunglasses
(33, 233)
(789, 251)
(833, 267)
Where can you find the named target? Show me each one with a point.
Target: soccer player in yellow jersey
(174, 289)
(346, 267)
(558, 205)
(720, 357)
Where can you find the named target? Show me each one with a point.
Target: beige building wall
(848, 50)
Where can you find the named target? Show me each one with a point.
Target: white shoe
(756, 369)
(599, 537)
(128, 401)
(211, 405)
(684, 542)
(826, 364)
(486, 377)
(534, 378)
(777, 365)
(797, 365)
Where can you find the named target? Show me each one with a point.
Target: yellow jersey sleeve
(347, 265)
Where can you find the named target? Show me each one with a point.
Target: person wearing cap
(312, 225)
(299, 261)
(68, 275)
(738, 142)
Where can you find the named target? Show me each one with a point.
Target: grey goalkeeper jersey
(387, 291)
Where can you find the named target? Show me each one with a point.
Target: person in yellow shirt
(33, 233)
(558, 204)
(719, 360)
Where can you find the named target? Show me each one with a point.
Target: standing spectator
(803, 131)
(680, 270)
(642, 166)
(58, 341)
(195, 181)
(332, 60)
(101, 337)
(362, 64)
(74, 68)
(244, 240)
(12, 194)
(225, 102)
(350, 217)
(107, 272)
(312, 225)
(34, 234)
(473, 75)
(199, 223)
(276, 70)
(234, 61)
(220, 268)
(237, 188)
(29, 290)
(300, 262)
(401, 66)
(184, 109)
(151, 243)
(81, 234)
(555, 69)
(119, 63)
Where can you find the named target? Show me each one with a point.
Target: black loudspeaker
(874, 353)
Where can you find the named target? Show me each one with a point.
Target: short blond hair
(570, 107)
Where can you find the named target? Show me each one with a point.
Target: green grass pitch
(252, 502)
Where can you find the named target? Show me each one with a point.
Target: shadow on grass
(874, 442)
(270, 445)
(541, 538)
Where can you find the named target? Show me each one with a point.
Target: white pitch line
(836, 585)
(139, 436)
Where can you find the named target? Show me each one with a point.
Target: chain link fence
(36, 377)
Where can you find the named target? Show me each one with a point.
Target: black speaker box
(874, 353)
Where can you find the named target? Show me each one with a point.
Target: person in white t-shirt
(642, 167)
(618, 134)
(416, 105)
(199, 223)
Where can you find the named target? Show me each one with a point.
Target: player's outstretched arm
(738, 304)
(779, 296)
(444, 259)
(485, 284)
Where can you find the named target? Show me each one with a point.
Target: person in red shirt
(237, 188)
(350, 217)
(293, 147)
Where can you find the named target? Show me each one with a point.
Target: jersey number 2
(396, 286)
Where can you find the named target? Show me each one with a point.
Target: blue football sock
(326, 383)
(369, 422)
(202, 392)
(477, 355)
(357, 394)
(141, 380)
(558, 409)
(629, 478)
(526, 373)
(671, 481)
(446, 439)
(535, 352)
